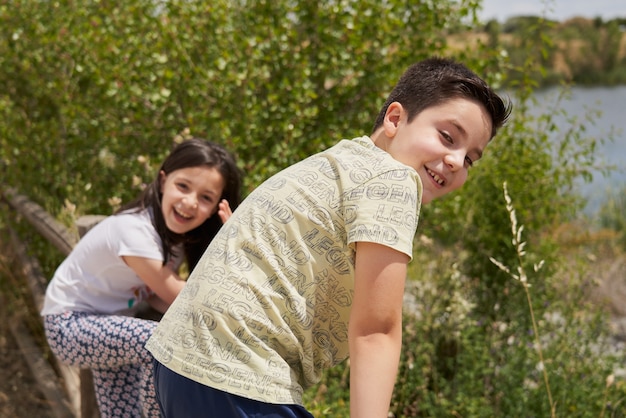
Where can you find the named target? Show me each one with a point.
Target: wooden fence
(70, 392)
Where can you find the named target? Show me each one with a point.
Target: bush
(93, 94)
(612, 215)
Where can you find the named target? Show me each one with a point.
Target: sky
(554, 9)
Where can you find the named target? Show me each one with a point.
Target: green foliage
(541, 159)
(612, 215)
(523, 24)
(483, 362)
(92, 94)
(90, 88)
(540, 163)
(459, 362)
(593, 52)
(330, 397)
(584, 51)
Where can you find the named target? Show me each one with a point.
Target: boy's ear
(392, 118)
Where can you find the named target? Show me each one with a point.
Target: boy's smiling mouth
(435, 177)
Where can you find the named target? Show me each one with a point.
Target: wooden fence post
(78, 383)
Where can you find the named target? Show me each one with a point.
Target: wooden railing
(70, 392)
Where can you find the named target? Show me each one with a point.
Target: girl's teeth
(183, 214)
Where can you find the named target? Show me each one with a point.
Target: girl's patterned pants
(112, 346)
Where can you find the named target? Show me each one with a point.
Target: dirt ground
(19, 394)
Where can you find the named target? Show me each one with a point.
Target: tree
(90, 87)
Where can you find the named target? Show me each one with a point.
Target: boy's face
(441, 142)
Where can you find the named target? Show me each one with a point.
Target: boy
(311, 267)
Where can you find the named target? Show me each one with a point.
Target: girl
(134, 256)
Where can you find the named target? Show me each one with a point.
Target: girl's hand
(223, 210)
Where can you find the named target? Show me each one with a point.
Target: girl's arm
(157, 303)
(161, 279)
(375, 329)
(164, 281)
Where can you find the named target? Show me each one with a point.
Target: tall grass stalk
(521, 277)
(609, 382)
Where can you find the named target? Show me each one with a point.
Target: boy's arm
(375, 330)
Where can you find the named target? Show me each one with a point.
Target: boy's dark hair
(191, 153)
(435, 80)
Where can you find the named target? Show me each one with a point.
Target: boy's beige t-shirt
(266, 309)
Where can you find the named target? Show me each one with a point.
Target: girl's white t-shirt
(95, 279)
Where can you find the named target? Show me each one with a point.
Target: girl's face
(441, 143)
(190, 196)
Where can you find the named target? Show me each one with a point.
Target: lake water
(611, 102)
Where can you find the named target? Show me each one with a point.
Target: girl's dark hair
(435, 80)
(190, 153)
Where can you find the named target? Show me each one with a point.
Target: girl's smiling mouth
(182, 214)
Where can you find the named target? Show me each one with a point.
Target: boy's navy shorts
(180, 397)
